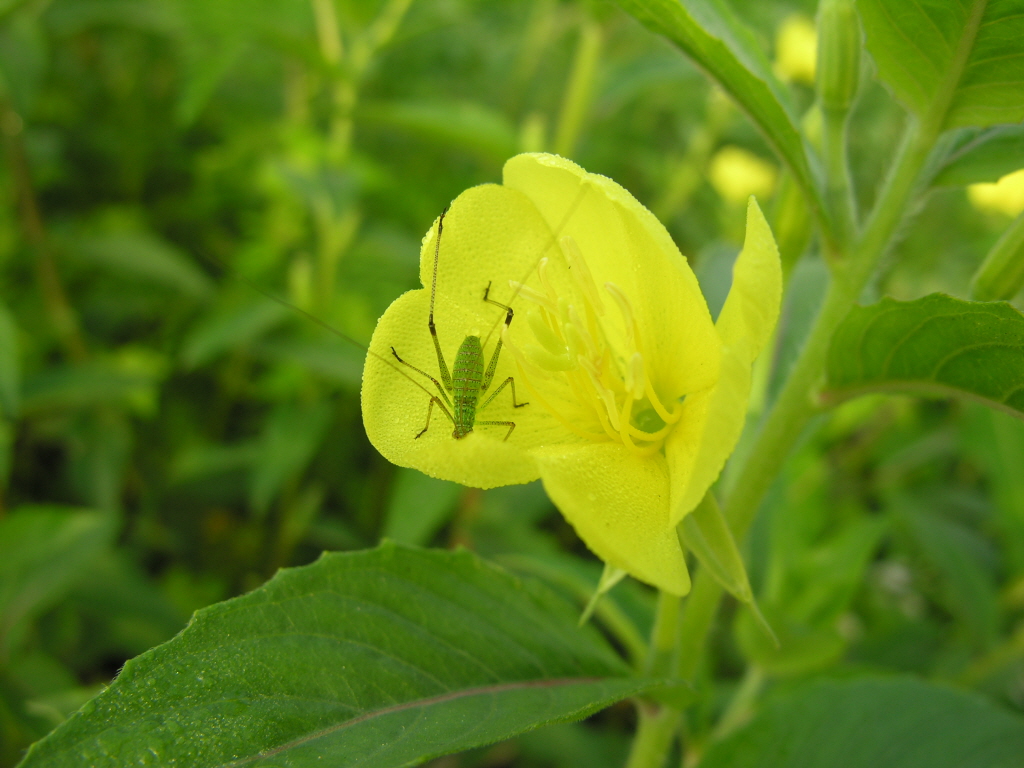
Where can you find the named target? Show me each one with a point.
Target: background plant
(170, 438)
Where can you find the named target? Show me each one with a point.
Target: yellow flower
(1005, 196)
(736, 174)
(796, 50)
(636, 398)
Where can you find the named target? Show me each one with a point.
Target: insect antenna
(555, 234)
(225, 270)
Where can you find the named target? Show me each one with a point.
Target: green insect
(468, 381)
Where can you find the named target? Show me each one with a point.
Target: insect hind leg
(423, 373)
(493, 364)
(444, 410)
(509, 381)
(510, 424)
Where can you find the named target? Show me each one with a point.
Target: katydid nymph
(468, 381)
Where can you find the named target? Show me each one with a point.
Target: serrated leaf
(983, 156)
(937, 346)
(869, 723)
(379, 658)
(961, 58)
(710, 34)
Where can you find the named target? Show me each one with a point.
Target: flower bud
(838, 54)
(1001, 275)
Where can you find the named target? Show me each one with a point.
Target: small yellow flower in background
(1005, 196)
(636, 397)
(736, 174)
(796, 50)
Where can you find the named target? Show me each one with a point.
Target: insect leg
(423, 373)
(442, 366)
(493, 364)
(494, 394)
(430, 410)
(510, 424)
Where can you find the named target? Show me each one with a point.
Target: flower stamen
(603, 367)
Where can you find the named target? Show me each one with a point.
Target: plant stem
(839, 191)
(61, 314)
(794, 407)
(664, 634)
(658, 723)
(738, 711)
(654, 735)
(701, 607)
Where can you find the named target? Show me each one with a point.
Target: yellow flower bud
(1005, 196)
(736, 174)
(796, 45)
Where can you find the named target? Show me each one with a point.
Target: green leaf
(379, 658)
(960, 63)
(706, 534)
(23, 58)
(969, 591)
(81, 387)
(291, 437)
(141, 255)
(709, 33)
(43, 551)
(463, 125)
(875, 723)
(626, 611)
(983, 156)
(937, 346)
(418, 507)
(337, 361)
(229, 329)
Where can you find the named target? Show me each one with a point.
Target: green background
(170, 437)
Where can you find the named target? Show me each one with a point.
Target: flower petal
(712, 421)
(618, 504)
(491, 234)
(708, 430)
(623, 243)
(752, 306)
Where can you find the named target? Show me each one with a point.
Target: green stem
(701, 607)
(663, 636)
(738, 711)
(55, 299)
(794, 407)
(658, 723)
(839, 191)
(654, 735)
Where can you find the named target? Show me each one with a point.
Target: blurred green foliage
(165, 156)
